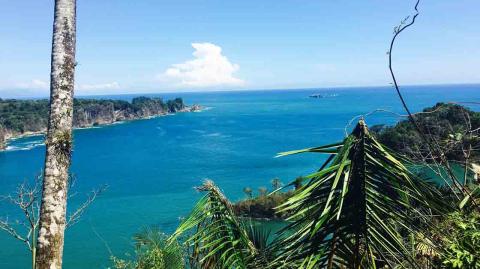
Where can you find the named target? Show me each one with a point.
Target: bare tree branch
(27, 198)
(5, 225)
(378, 110)
(75, 216)
(435, 151)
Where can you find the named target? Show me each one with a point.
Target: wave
(89, 127)
(25, 145)
(203, 109)
(216, 135)
(161, 131)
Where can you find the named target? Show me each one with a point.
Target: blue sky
(126, 46)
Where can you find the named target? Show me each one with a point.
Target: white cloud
(100, 86)
(35, 84)
(209, 69)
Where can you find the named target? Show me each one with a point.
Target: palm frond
(153, 251)
(219, 239)
(258, 234)
(351, 211)
(261, 237)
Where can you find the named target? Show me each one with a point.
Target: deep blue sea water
(151, 166)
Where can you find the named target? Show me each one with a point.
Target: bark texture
(59, 138)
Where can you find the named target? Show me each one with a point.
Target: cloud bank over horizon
(37, 88)
(99, 86)
(33, 84)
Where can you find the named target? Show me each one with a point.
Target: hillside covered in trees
(18, 117)
(451, 127)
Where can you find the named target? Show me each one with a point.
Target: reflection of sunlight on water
(199, 131)
(161, 131)
(216, 135)
(213, 134)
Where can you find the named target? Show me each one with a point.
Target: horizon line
(321, 88)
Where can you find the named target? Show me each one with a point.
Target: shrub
(153, 252)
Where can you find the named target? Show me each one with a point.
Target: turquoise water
(151, 166)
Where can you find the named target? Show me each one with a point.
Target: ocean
(152, 165)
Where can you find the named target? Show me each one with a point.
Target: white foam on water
(25, 146)
(14, 145)
(216, 135)
(203, 109)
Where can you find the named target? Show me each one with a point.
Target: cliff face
(95, 112)
(19, 117)
(2, 138)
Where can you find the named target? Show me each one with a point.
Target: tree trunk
(59, 138)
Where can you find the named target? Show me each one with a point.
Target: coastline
(9, 136)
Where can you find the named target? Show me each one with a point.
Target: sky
(148, 46)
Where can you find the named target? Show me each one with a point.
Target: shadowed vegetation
(153, 252)
(362, 209)
(452, 127)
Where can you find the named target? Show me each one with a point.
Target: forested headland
(451, 126)
(21, 117)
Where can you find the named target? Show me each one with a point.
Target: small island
(25, 117)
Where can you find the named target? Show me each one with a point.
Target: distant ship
(319, 95)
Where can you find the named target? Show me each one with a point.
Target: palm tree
(59, 138)
(276, 184)
(298, 182)
(248, 192)
(350, 212)
(262, 191)
(219, 239)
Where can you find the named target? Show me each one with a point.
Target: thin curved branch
(399, 29)
(385, 111)
(75, 216)
(4, 225)
(435, 151)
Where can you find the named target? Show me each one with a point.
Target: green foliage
(153, 252)
(276, 184)
(472, 200)
(19, 116)
(262, 191)
(248, 192)
(298, 182)
(449, 125)
(460, 238)
(362, 209)
(218, 239)
(260, 236)
(350, 213)
(23, 115)
(262, 206)
(175, 105)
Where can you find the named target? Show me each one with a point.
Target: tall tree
(59, 138)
